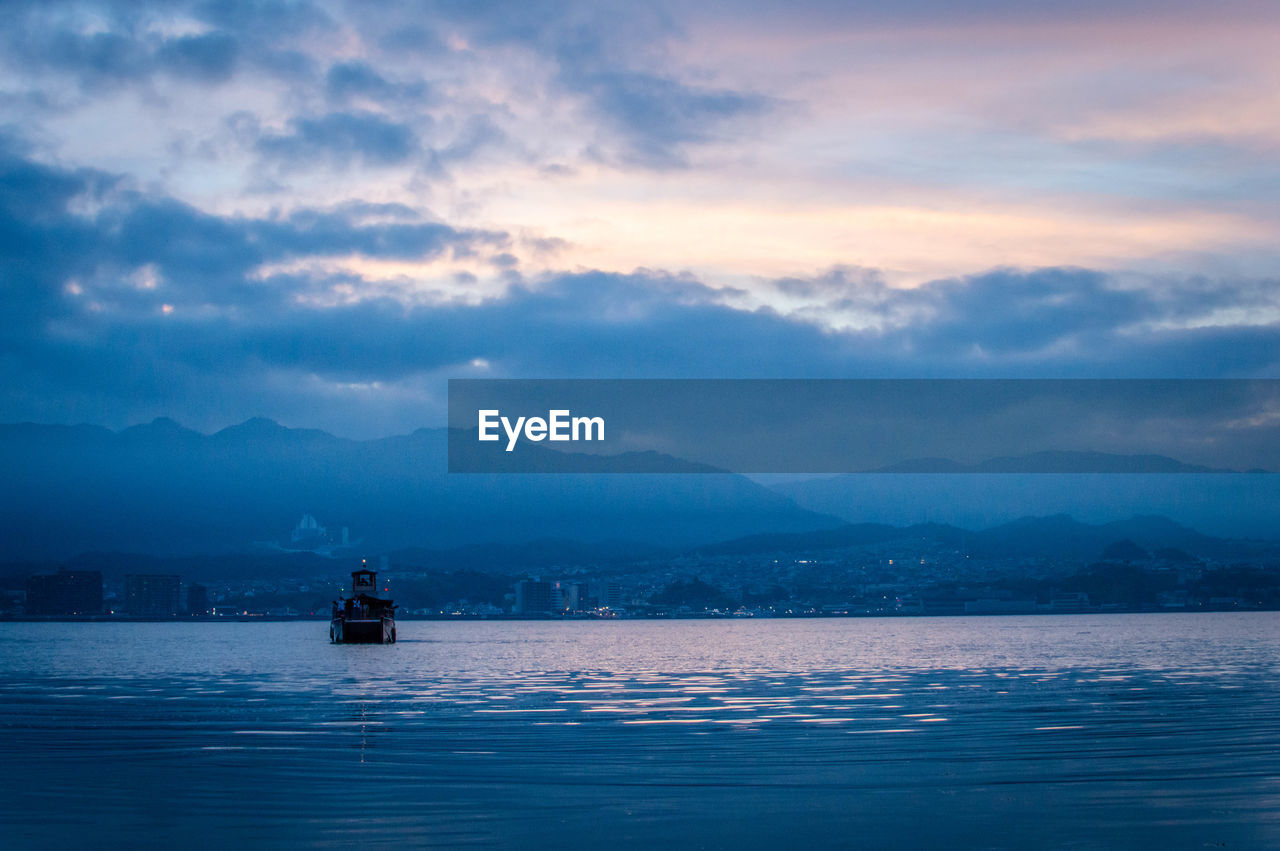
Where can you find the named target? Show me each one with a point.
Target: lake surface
(1148, 731)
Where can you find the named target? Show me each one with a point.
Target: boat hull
(371, 631)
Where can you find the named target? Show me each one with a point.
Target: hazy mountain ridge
(1227, 505)
(1055, 536)
(164, 489)
(1066, 462)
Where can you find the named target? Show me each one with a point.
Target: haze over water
(1078, 731)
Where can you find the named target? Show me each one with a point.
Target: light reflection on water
(1073, 731)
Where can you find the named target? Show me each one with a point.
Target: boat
(364, 617)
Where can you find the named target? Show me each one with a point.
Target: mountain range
(1230, 505)
(165, 490)
(1050, 537)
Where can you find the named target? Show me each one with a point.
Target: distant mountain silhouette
(1226, 505)
(1057, 536)
(163, 489)
(468, 453)
(1127, 550)
(853, 535)
(1054, 462)
(1064, 536)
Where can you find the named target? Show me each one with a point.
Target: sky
(318, 212)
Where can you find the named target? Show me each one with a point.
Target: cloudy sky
(317, 212)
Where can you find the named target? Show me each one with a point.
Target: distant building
(197, 600)
(607, 594)
(942, 606)
(568, 596)
(67, 592)
(153, 595)
(990, 606)
(308, 533)
(532, 597)
(1069, 601)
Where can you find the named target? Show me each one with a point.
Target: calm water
(1159, 731)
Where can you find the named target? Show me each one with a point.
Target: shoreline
(645, 617)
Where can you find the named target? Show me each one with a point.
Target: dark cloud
(1013, 312)
(311, 232)
(342, 138)
(46, 246)
(238, 343)
(40, 245)
(283, 359)
(658, 116)
(354, 79)
(265, 19)
(409, 38)
(110, 44)
(208, 58)
(841, 285)
(653, 117)
(932, 14)
(477, 134)
(99, 59)
(363, 210)
(612, 57)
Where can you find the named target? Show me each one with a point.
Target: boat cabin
(364, 617)
(364, 581)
